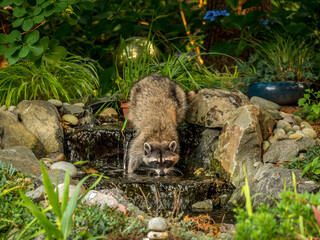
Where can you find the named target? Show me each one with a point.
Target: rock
(157, 235)
(281, 151)
(213, 107)
(3, 108)
(73, 110)
(65, 166)
(297, 119)
(241, 140)
(290, 133)
(56, 157)
(305, 125)
(79, 104)
(72, 188)
(56, 174)
(269, 181)
(279, 131)
(71, 119)
(284, 125)
(296, 128)
(108, 115)
(205, 205)
(117, 194)
(16, 134)
(275, 114)
(289, 119)
(296, 136)
(257, 164)
(21, 158)
(96, 197)
(12, 109)
(43, 120)
(266, 104)
(87, 119)
(158, 224)
(224, 199)
(55, 102)
(276, 137)
(309, 132)
(265, 145)
(306, 142)
(36, 194)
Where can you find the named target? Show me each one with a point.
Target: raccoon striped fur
(157, 106)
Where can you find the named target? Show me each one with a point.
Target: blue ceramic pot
(282, 93)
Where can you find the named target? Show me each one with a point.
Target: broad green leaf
(37, 50)
(32, 37)
(38, 19)
(5, 3)
(27, 24)
(19, 12)
(17, 22)
(41, 1)
(13, 58)
(24, 51)
(15, 35)
(44, 42)
(52, 195)
(72, 19)
(48, 11)
(43, 220)
(37, 10)
(3, 38)
(71, 1)
(18, 2)
(317, 171)
(60, 6)
(12, 50)
(57, 53)
(46, 3)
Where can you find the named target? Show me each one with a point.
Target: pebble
(296, 136)
(265, 145)
(52, 175)
(12, 109)
(290, 133)
(74, 110)
(297, 119)
(158, 235)
(65, 166)
(275, 138)
(289, 119)
(3, 108)
(108, 115)
(224, 199)
(305, 125)
(284, 125)
(158, 224)
(36, 194)
(296, 128)
(309, 132)
(79, 104)
(72, 188)
(205, 205)
(55, 102)
(279, 131)
(71, 119)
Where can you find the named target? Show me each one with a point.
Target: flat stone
(205, 205)
(96, 197)
(284, 125)
(71, 119)
(21, 158)
(158, 224)
(309, 132)
(275, 114)
(56, 157)
(74, 110)
(289, 119)
(65, 166)
(297, 119)
(281, 151)
(158, 235)
(55, 102)
(108, 115)
(276, 137)
(266, 104)
(279, 131)
(79, 104)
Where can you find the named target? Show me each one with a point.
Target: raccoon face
(161, 156)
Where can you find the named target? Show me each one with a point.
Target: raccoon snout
(162, 173)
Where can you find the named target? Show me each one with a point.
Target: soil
(292, 110)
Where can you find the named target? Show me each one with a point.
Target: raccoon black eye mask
(157, 105)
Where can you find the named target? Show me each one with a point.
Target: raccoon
(157, 105)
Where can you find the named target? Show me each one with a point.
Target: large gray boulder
(269, 181)
(21, 158)
(13, 133)
(241, 140)
(213, 107)
(42, 119)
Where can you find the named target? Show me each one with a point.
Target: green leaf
(43, 220)
(45, 3)
(19, 12)
(71, 1)
(41, 1)
(72, 19)
(32, 37)
(37, 10)
(48, 11)
(65, 195)
(44, 42)
(57, 53)
(24, 51)
(251, 3)
(5, 3)
(36, 50)
(12, 50)
(38, 19)
(18, 2)
(27, 24)
(13, 58)
(3, 38)
(17, 22)
(60, 6)
(233, 3)
(15, 35)
(52, 195)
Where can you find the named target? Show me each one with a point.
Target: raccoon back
(156, 100)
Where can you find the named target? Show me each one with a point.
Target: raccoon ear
(173, 146)
(147, 148)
